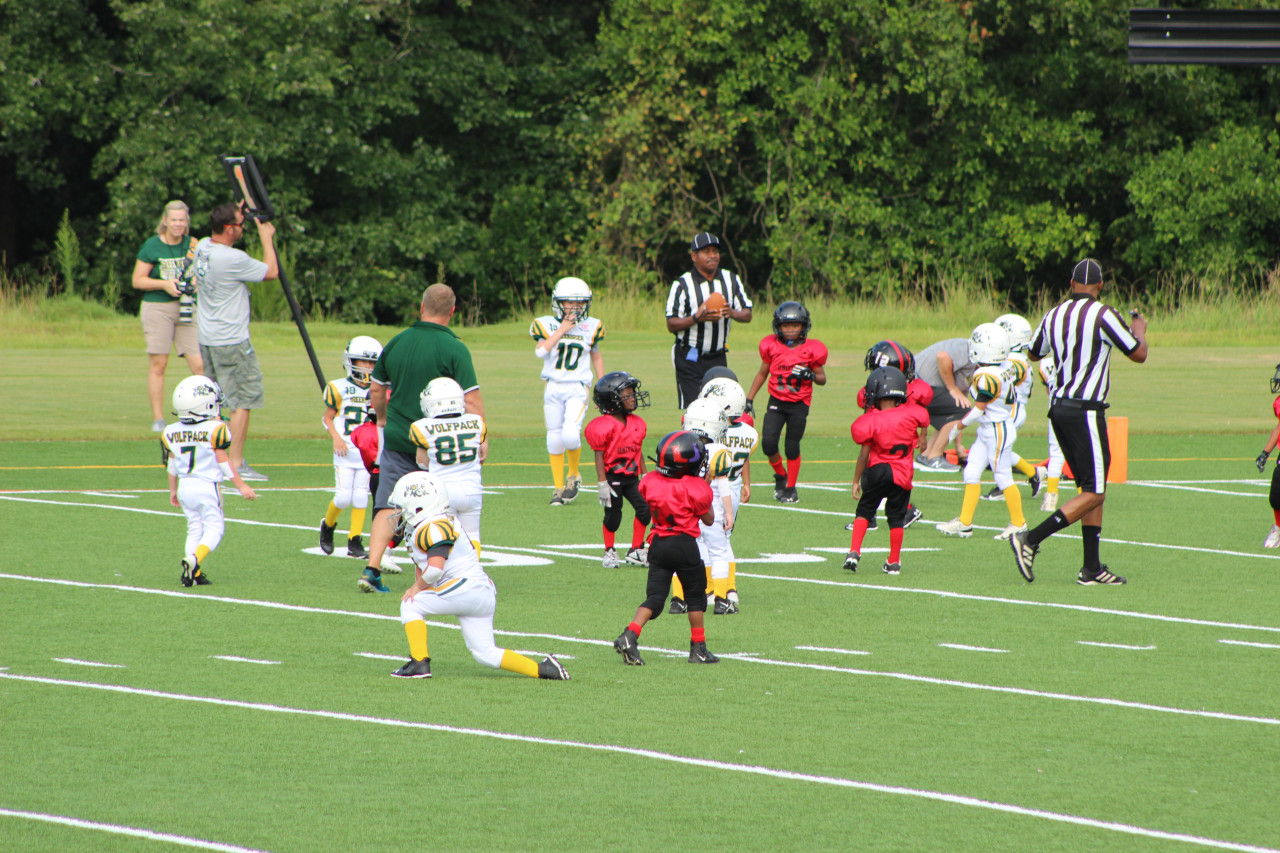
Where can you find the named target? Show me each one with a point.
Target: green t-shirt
(165, 261)
(410, 360)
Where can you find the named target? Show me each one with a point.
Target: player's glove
(803, 372)
(750, 408)
(1262, 460)
(607, 494)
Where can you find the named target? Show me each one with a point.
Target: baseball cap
(703, 240)
(1087, 272)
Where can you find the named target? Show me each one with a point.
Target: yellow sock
(1013, 501)
(733, 576)
(202, 551)
(331, 514)
(557, 469)
(1025, 468)
(416, 631)
(1053, 485)
(513, 662)
(475, 543)
(676, 589)
(720, 586)
(710, 584)
(357, 520)
(573, 456)
(972, 493)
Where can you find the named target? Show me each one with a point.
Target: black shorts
(1082, 435)
(394, 466)
(877, 485)
(942, 409)
(626, 488)
(675, 555)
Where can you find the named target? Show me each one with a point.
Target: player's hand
(173, 498)
(1261, 461)
(750, 409)
(339, 447)
(484, 450)
(413, 590)
(728, 525)
(803, 371)
(746, 493)
(857, 490)
(961, 399)
(248, 493)
(607, 494)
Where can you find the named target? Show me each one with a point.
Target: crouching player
(448, 581)
(679, 499)
(888, 434)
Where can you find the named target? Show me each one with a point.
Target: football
(715, 304)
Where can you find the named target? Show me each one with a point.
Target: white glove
(607, 494)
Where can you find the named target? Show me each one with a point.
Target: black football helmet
(608, 392)
(891, 354)
(792, 312)
(885, 383)
(679, 454)
(718, 373)
(1275, 381)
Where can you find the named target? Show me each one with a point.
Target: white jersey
(741, 439)
(1028, 376)
(189, 448)
(998, 385)
(453, 446)
(444, 535)
(568, 361)
(351, 402)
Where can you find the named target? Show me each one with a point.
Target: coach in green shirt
(426, 350)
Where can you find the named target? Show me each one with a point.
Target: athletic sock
(720, 587)
(416, 631)
(859, 533)
(357, 520)
(1047, 528)
(777, 467)
(969, 506)
(1013, 503)
(733, 576)
(698, 635)
(202, 551)
(331, 515)
(609, 537)
(635, 629)
(1276, 513)
(708, 590)
(1053, 488)
(557, 469)
(677, 588)
(513, 662)
(793, 472)
(573, 456)
(895, 544)
(1024, 468)
(1092, 535)
(637, 533)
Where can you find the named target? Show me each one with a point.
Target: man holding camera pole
(222, 318)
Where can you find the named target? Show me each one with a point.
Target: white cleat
(1009, 531)
(955, 527)
(1273, 538)
(390, 565)
(1049, 502)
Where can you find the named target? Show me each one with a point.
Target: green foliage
(66, 249)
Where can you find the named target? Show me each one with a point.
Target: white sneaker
(610, 559)
(1273, 538)
(158, 425)
(1009, 531)
(955, 527)
(390, 565)
(638, 556)
(1050, 502)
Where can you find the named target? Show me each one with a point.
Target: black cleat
(1024, 554)
(779, 486)
(790, 495)
(698, 654)
(723, 606)
(326, 537)
(551, 670)
(678, 606)
(1103, 577)
(415, 669)
(913, 515)
(355, 547)
(851, 561)
(892, 568)
(627, 646)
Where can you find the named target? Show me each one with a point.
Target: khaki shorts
(162, 331)
(235, 369)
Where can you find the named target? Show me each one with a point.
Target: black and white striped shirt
(1080, 333)
(688, 292)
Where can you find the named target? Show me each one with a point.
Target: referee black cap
(703, 240)
(1087, 272)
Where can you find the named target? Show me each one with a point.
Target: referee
(702, 336)
(1080, 334)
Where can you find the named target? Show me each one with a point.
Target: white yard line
(1114, 646)
(1254, 645)
(235, 659)
(964, 648)
(115, 829)
(78, 662)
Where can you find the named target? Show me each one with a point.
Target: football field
(953, 707)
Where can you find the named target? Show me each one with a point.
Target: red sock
(895, 544)
(1277, 515)
(635, 629)
(699, 635)
(608, 537)
(637, 533)
(793, 472)
(859, 533)
(777, 467)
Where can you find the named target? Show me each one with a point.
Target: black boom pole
(250, 192)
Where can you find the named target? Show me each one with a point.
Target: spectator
(947, 369)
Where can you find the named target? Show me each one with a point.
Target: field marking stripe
(705, 763)
(1254, 645)
(78, 662)
(963, 648)
(825, 649)
(237, 659)
(1114, 646)
(150, 835)
(1182, 488)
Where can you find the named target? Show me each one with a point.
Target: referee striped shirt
(689, 291)
(1080, 333)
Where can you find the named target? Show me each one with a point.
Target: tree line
(841, 147)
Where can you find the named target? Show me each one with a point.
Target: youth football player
(617, 437)
(346, 407)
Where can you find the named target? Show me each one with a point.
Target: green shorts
(235, 369)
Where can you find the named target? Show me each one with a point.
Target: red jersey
(677, 504)
(365, 438)
(620, 442)
(918, 391)
(891, 436)
(781, 358)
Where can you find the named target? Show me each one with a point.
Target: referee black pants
(689, 373)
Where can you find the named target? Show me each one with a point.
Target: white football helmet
(197, 398)
(361, 348)
(442, 396)
(706, 417)
(1018, 329)
(570, 290)
(989, 344)
(417, 497)
(727, 393)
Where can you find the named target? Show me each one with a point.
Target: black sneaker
(326, 537)
(551, 670)
(779, 486)
(722, 606)
(1102, 577)
(790, 496)
(415, 669)
(996, 494)
(355, 547)
(202, 579)
(851, 561)
(189, 566)
(1024, 554)
(627, 646)
(571, 487)
(913, 515)
(892, 568)
(1038, 479)
(678, 606)
(698, 654)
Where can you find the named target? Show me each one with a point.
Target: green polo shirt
(411, 359)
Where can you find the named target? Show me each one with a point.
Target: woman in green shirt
(166, 320)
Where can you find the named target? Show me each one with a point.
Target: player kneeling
(448, 581)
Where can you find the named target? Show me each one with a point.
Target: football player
(994, 388)
(741, 438)
(194, 452)
(707, 419)
(893, 354)
(1273, 536)
(448, 442)
(346, 407)
(617, 437)
(448, 581)
(791, 364)
(1019, 331)
(569, 346)
(680, 501)
(888, 434)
